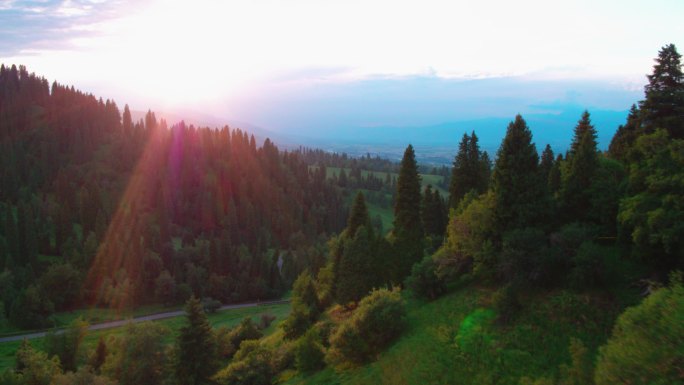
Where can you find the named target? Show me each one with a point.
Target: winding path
(150, 317)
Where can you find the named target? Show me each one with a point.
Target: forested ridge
(579, 253)
(99, 210)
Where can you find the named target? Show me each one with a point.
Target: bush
(646, 344)
(588, 268)
(251, 365)
(506, 303)
(525, 257)
(229, 340)
(305, 307)
(211, 305)
(266, 320)
(377, 321)
(309, 352)
(298, 322)
(424, 281)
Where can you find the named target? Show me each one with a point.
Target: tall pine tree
(196, 360)
(578, 173)
(470, 170)
(519, 196)
(663, 106)
(408, 228)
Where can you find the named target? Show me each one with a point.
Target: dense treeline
(95, 207)
(524, 225)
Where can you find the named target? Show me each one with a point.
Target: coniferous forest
(520, 267)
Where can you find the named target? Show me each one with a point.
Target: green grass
(426, 179)
(228, 318)
(456, 340)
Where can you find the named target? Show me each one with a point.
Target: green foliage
(626, 136)
(434, 217)
(83, 376)
(62, 285)
(196, 355)
(355, 276)
(34, 367)
(378, 320)
(139, 356)
(305, 306)
(424, 281)
(525, 257)
(653, 213)
(588, 268)
(408, 228)
(66, 346)
(520, 198)
(165, 288)
(470, 170)
(646, 343)
(358, 216)
(506, 303)
(32, 309)
(579, 173)
(229, 340)
(663, 106)
(468, 242)
(99, 355)
(250, 366)
(309, 353)
(210, 305)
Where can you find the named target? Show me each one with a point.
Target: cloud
(31, 26)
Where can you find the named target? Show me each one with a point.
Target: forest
(580, 252)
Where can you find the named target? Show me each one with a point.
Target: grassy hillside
(457, 340)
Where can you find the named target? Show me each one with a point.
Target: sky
(318, 67)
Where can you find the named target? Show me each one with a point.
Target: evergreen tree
(554, 178)
(433, 212)
(354, 275)
(546, 163)
(470, 170)
(196, 347)
(408, 229)
(518, 194)
(127, 121)
(626, 135)
(578, 175)
(663, 106)
(358, 216)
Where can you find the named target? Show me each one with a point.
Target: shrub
(266, 320)
(211, 305)
(646, 344)
(229, 340)
(251, 365)
(424, 281)
(506, 303)
(524, 256)
(309, 352)
(377, 321)
(588, 268)
(305, 307)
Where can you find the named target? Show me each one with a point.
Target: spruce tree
(579, 172)
(470, 170)
(663, 106)
(546, 164)
(196, 347)
(518, 194)
(554, 179)
(358, 215)
(626, 135)
(460, 183)
(408, 228)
